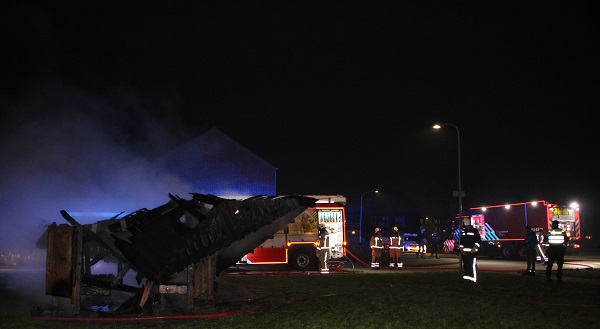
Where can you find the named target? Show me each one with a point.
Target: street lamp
(361, 206)
(460, 207)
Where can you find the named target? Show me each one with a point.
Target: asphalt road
(445, 262)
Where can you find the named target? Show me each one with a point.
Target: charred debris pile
(178, 248)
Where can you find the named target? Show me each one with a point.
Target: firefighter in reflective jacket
(557, 240)
(541, 258)
(323, 249)
(376, 248)
(469, 244)
(396, 248)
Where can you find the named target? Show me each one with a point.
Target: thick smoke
(64, 148)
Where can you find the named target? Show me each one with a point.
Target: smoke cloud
(87, 153)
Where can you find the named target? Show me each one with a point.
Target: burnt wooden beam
(69, 219)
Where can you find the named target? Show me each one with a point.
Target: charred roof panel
(163, 241)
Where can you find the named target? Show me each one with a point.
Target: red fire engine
(295, 245)
(502, 227)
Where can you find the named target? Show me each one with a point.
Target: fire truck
(502, 227)
(295, 245)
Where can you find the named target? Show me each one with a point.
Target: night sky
(340, 96)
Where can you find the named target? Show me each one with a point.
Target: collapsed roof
(160, 242)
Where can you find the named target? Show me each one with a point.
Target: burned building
(198, 237)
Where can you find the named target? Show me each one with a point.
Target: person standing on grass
(434, 243)
(396, 244)
(323, 249)
(376, 248)
(469, 244)
(531, 242)
(557, 245)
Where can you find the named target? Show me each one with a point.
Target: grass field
(428, 299)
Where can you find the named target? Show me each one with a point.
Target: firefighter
(541, 258)
(396, 248)
(323, 249)
(469, 244)
(376, 248)
(557, 245)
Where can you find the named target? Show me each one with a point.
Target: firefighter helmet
(377, 229)
(395, 228)
(466, 221)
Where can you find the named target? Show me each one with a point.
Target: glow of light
(93, 214)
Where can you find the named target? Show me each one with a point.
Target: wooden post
(205, 277)
(77, 269)
(87, 268)
(59, 261)
(189, 303)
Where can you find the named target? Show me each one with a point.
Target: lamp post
(361, 207)
(460, 207)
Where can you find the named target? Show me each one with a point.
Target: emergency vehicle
(296, 244)
(502, 227)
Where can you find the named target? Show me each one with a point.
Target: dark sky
(340, 96)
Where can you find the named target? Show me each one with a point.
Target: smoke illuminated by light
(63, 148)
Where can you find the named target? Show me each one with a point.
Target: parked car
(411, 244)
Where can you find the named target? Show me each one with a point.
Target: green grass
(428, 299)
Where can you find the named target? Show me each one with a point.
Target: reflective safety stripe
(394, 242)
(377, 242)
(543, 256)
(469, 278)
(556, 237)
(474, 269)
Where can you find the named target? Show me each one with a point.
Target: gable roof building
(214, 163)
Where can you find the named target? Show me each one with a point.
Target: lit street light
(361, 208)
(460, 193)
